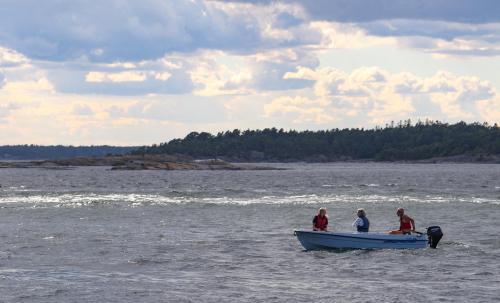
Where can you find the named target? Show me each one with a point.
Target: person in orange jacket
(320, 221)
(406, 223)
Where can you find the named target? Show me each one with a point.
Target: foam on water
(137, 200)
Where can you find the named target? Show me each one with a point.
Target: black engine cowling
(434, 234)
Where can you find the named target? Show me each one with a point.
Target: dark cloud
(286, 20)
(107, 31)
(470, 21)
(434, 29)
(478, 11)
(123, 30)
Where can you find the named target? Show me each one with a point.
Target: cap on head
(400, 211)
(361, 211)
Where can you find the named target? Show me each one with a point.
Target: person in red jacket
(320, 221)
(406, 223)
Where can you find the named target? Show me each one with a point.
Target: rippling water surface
(95, 235)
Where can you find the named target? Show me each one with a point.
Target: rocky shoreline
(170, 162)
(136, 162)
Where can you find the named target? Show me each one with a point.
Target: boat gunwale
(364, 237)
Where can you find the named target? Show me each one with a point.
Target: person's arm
(358, 222)
(326, 225)
(412, 223)
(314, 223)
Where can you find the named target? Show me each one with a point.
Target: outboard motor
(434, 234)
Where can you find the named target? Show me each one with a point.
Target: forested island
(460, 142)
(422, 142)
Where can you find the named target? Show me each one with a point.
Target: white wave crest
(137, 200)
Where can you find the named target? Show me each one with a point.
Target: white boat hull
(312, 240)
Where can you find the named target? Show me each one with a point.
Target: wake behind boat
(313, 240)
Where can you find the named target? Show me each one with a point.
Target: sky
(131, 72)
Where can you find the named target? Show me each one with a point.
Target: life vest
(366, 225)
(320, 222)
(404, 225)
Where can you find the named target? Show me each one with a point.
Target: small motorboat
(313, 240)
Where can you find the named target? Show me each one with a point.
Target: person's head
(322, 212)
(400, 212)
(361, 212)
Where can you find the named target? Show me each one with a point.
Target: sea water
(97, 235)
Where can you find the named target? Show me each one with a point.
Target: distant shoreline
(429, 142)
(457, 159)
(169, 162)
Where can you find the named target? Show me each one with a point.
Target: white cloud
(300, 110)
(434, 37)
(186, 109)
(457, 96)
(347, 36)
(217, 73)
(490, 109)
(169, 75)
(383, 96)
(163, 76)
(127, 76)
(269, 68)
(10, 58)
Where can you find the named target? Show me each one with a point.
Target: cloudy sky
(140, 72)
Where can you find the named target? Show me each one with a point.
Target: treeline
(402, 141)
(39, 152)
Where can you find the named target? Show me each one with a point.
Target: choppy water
(95, 235)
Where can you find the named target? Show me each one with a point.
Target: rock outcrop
(135, 162)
